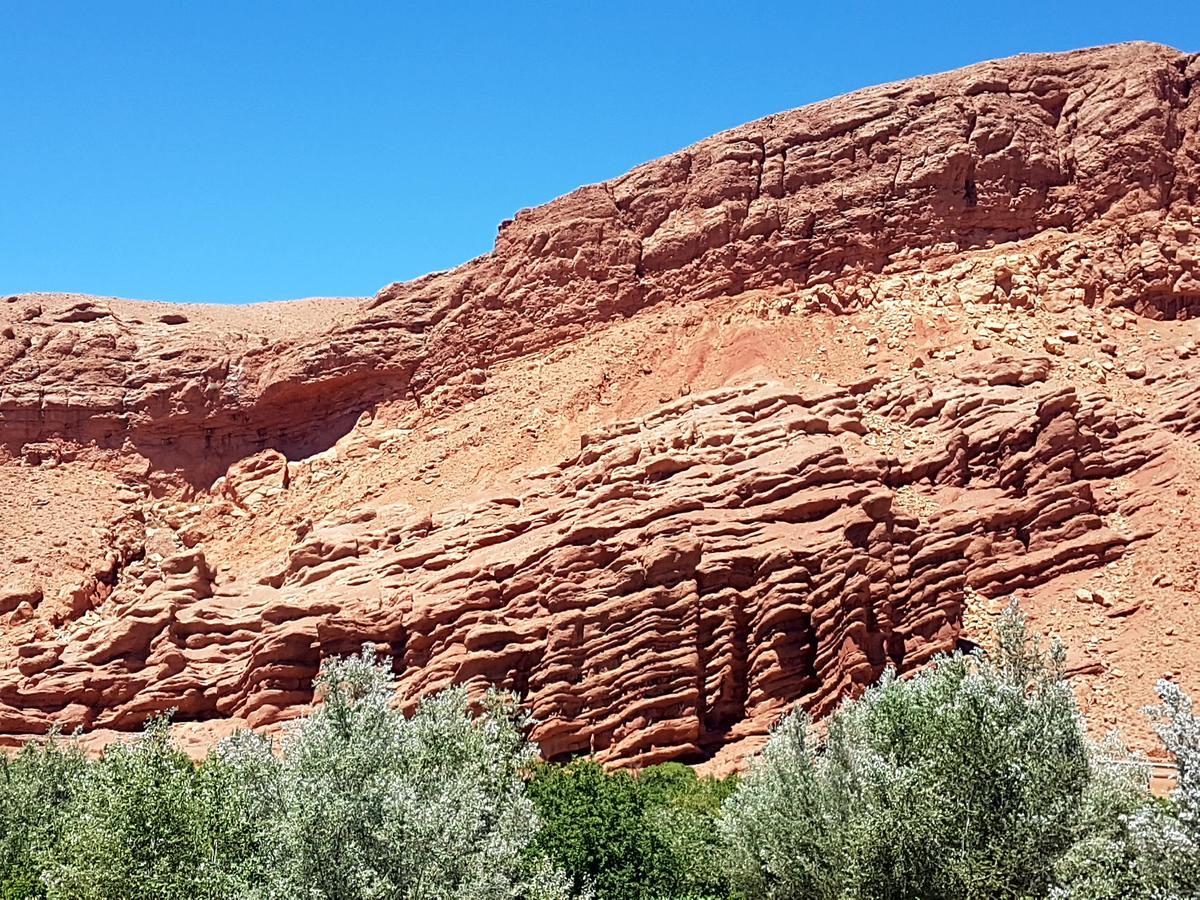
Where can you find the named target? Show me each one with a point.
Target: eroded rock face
(821, 388)
(672, 588)
(829, 194)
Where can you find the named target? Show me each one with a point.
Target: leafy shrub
(594, 828)
(963, 781)
(682, 810)
(374, 805)
(631, 836)
(145, 822)
(1139, 848)
(1098, 865)
(35, 788)
(1167, 836)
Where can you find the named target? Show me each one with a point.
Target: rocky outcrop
(669, 590)
(971, 295)
(831, 194)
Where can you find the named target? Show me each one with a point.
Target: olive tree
(965, 780)
(145, 823)
(36, 788)
(1141, 848)
(371, 804)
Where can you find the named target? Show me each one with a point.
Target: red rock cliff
(840, 377)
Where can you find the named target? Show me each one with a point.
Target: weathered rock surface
(829, 194)
(736, 430)
(675, 586)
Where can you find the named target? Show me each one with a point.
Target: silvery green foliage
(1100, 865)
(36, 787)
(779, 827)
(1142, 849)
(963, 781)
(372, 805)
(144, 823)
(1166, 837)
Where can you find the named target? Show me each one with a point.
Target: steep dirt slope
(738, 429)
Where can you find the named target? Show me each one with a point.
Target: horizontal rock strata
(830, 194)
(672, 588)
(1009, 241)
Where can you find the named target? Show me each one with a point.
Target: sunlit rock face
(737, 430)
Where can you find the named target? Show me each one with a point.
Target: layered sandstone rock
(899, 175)
(943, 332)
(673, 587)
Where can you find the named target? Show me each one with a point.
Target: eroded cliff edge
(231, 494)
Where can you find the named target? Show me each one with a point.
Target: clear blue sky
(237, 151)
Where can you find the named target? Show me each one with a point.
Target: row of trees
(971, 779)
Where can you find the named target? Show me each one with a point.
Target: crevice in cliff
(1160, 306)
(758, 174)
(298, 420)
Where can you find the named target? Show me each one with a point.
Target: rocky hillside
(738, 429)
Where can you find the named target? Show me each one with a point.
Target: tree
(35, 788)
(632, 835)
(374, 805)
(144, 823)
(595, 829)
(1139, 848)
(682, 810)
(964, 781)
